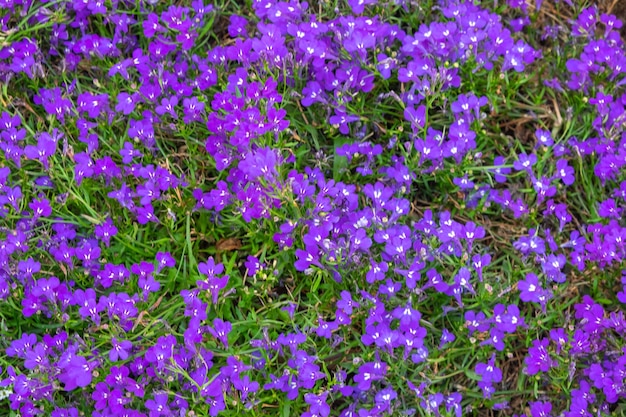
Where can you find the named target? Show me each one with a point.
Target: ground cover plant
(327, 208)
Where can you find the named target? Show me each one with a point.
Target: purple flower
(420, 355)
(453, 402)
(385, 65)
(158, 405)
(38, 356)
(40, 207)
(161, 353)
(609, 209)
(469, 105)
(464, 183)
(84, 167)
(7, 121)
(118, 377)
(46, 147)
(358, 6)
(368, 373)
(489, 372)
(346, 304)
(325, 329)
(431, 403)
(143, 269)
(167, 106)
(417, 117)
(13, 196)
(164, 260)
(290, 309)
(27, 268)
(540, 409)
(590, 313)
(216, 401)
(186, 38)
(530, 290)
(476, 322)
(233, 367)
(538, 359)
(53, 102)
(252, 265)
(530, 243)
(472, 232)
(450, 230)
(237, 26)
(119, 349)
(147, 285)
(318, 404)
(245, 386)
(101, 396)
(341, 119)
(385, 398)
(45, 287)
(105, 231)
(146, 215)
(446, 337)
(512, 319)
(128, 153)
(479, 262)
(308, 375)
(525, 162)
(151, 25)
(193, 110)
(126, 103)
(76, 372)
(496, 339)
(210, 268)
(564, 172)
(89, 307)
(376, 272)
(361, 241)
(261, 163)
(212, 283)
(312, 93)
(20, 346)
(220, 331)
(544, 137)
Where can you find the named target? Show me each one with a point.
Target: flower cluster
(281, 206)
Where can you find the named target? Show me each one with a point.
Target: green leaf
(473, 375)
(340, 163)
(192, 259)
(318, 280)
(230, 264)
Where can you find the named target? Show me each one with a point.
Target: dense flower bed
(346, 208)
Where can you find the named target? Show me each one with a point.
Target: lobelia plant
(365, 208)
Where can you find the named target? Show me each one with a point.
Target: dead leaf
(229, 244)
(156, 304)
(139, 320)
